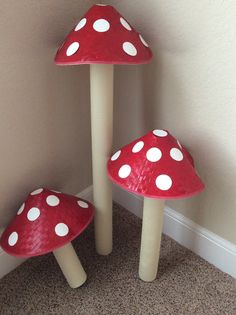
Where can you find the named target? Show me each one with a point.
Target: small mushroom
(102, 38)
(47, 222)
(156, 167)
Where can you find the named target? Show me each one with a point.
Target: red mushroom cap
(155, 166)
(103, 36)
(46, 221)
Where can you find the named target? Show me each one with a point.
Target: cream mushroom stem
(70, 265)
(101, 87)
(153, 210)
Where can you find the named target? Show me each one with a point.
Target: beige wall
(189, 89)
(44, 120)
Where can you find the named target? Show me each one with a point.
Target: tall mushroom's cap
(46, 221)
(103, 36)
(155, 166)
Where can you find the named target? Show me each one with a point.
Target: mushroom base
(153, 210)
(70, 265)
(101, 85)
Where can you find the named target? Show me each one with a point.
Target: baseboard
(211, 247)
(216, 250)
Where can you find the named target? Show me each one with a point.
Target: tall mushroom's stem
(70, 265)
(101, 81)
(151, 238)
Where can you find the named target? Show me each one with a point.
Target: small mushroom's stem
(151, 238)
(70, 265)
(101, 81)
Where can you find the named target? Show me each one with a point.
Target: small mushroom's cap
(103, 36)
(46, 221)
(155, 166)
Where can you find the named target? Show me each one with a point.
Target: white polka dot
(176, 154)
(33, 214)
(101, 5)
(37, 191)
(129, 49)
(21, 209)
(61, 229)
(116, 155)
(124, 171)
(72, 49)
(160, 133)
(125, 24)
(101, 25)
(52, 201)
(163, 182)
(82, 204)
(154, 154)
(179, 144)
(58, 192)
(12, 239)
(81, 24)
(143, 41)
(138, 147)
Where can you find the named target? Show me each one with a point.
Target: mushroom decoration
(156, 167)
(47, 222)
(102, 38)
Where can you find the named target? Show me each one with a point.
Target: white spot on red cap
(160, 133)
(129, 49)
(53, 200)
(124, 171)
(116, 155)
(125, 24)
(13, 238)
(81, 24)
(61, 229)
(138, 147)
(143, 41)
(21, 209)
(72, 49)
(101, 25)
(154, 154)
(176, 154)
(82, 204)
(33, 214)
(163, 182)
(36, 192)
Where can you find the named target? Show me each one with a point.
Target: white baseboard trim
(211, 247)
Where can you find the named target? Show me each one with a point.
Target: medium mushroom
(102, 38)
(156, 167)
(47, 222)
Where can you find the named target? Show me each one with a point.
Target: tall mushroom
(47, 222)
(102, 38)
(156, 167)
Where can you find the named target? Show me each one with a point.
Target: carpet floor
(186, 284)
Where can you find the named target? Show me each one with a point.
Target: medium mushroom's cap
(155, 166)
(103, 36)
(46, 221)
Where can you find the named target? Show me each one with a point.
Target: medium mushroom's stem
(151, 238)
(101, 81)
(70, 265)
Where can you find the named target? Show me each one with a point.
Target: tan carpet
(186, 284)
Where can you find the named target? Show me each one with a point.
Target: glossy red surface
(100, 36)
(41, 222)
(156, 167)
